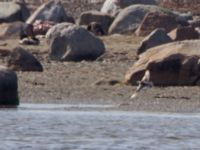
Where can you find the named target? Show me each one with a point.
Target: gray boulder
(76, 44)
(155, 38)
(10, 30)
(51, 11)
(22, 60)
(56, 31)
(103, 19)
(176, 64)
(130, 18)
(11, 12)
(8, 88)
(113, 7)
(154, 20)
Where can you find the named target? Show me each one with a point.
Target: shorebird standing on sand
(144, 83)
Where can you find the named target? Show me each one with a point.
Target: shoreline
(93, 109)
(100, 81)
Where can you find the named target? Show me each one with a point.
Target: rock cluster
(169, 51)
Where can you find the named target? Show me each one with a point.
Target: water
(53, 128)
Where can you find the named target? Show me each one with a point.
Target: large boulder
(113, 7)
(154, 20)
(75, 44)
(155, 38)
(56, 31)
(12, 11)
(22, 60)
(184, 33)
(51, 11)
(130, 18)
(103, 19)
(8, 88)
(10, 30)
(175, 63)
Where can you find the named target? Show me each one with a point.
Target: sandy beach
(100, 81)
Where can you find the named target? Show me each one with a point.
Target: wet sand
(100, 81)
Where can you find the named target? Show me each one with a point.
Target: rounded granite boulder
(8, 88)
(75, 44)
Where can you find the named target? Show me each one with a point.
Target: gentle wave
(39, 126)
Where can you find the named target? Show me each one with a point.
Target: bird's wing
(146, 76)
(198, 62)
(134, 95)
(145, 81)
(139, 87)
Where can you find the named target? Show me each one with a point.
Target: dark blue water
(54, 128)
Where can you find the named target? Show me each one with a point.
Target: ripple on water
(75, 130)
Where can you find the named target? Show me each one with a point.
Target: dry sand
(100, 81)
